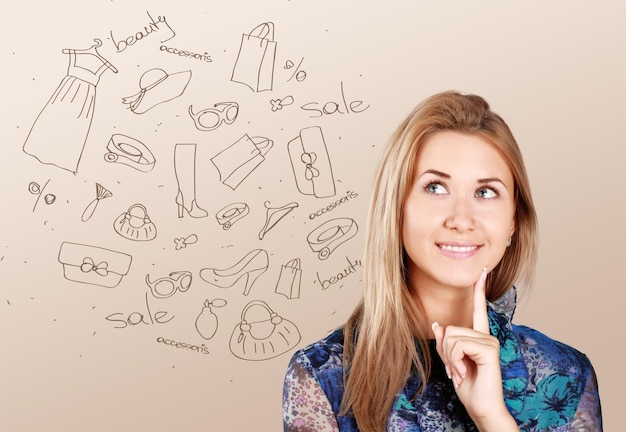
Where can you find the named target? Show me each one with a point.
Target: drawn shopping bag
(254, 66)
(237, 161)
(289, 279)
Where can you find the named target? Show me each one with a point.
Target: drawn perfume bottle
(207, 322)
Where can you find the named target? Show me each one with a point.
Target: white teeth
(457, 248)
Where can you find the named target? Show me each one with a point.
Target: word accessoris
(332, 280)
(202, 349)
(152, 27)
(332, 107)
(334, 205)
(204, 57)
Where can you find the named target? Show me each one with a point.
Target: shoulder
(322, 355)
(544, 355)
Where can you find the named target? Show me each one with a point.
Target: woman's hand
(472, 361)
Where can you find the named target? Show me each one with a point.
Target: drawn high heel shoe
(185, 170)
(251, 266)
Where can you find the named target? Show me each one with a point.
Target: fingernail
(484, 272)
(448, 372)
(434, 325)
(455, 381)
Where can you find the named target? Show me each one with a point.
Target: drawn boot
(185, 170)
(251, 266)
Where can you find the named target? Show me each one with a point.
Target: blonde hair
(380, 348)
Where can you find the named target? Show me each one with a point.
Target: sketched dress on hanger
(60, 131)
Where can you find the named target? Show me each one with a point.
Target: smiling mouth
(458, 248)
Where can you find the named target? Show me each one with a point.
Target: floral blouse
(548, 386)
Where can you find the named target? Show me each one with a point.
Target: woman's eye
(486, 193)
(436, 188)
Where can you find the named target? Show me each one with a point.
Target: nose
(461, 216)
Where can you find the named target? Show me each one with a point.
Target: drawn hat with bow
(157, 87)
(311, 163)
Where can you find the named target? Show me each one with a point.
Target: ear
(513, 227)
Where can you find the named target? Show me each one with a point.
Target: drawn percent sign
(298, 73)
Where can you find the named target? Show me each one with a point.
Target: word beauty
(135, 318)
(331, 107)
(151, 27)
(327, 283)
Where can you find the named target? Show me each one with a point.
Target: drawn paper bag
(289, 280)
(254, 66)
(237, 161)
(93, 265)
(311, 163)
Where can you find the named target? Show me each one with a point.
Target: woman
(431, 346)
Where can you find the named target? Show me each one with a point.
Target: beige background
(554, 70)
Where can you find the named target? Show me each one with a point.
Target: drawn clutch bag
(93, 265)
(311, 163)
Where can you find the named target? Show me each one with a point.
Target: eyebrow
(448, 176)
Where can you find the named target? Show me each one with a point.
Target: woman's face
(459, 212)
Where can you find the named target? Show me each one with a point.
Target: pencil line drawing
(35, 189)
(101, 193)
(207, 322)
(262, 335)
(289, 280)
(185, 172)
(135, 224)
(273, 215)
(157, 87)
(210, 119)
(230, 214)
(237, 161)
(310, 163)
(93, 265)
(328, 236)
(69, 111)
(278, 104)
(129, 151)
(254, 66)
(182, 242)
(298, 73)
(248, 268)
(167, 286)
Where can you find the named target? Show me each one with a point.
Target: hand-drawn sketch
(129, 151)
(230, 214)
(249, 268)
(298, 72)
(288, 283)
(182, 242)
(237, 161)
(311, 164)
(167, 286)
(157, 87)
(273, 215)
(211, 118)
(35, 189)
(328, 236)
(185, 171)
(69, 111)
(207, 322)
(264, 335)
(135, 224)
(93, 265)
(254, 66)
(278, 104)
(101, 193)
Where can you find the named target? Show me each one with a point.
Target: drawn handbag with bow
(254, 66)
(262, 335)
(289, 279)
(311, 163)
(135, 224)
(93, 265)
